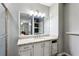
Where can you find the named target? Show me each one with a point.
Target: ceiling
(47, 4)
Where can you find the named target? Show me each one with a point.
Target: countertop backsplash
(33, 36)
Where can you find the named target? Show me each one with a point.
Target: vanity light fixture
(35, 13)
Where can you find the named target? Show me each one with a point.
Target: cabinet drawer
(26, 50)
(24, 47)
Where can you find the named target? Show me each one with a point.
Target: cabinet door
(54, 48)
(47, 48)
(38, 49)
(26, 50)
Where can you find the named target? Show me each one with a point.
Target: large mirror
(30, 24)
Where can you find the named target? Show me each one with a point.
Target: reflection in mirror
(38, 25)
(25, 24)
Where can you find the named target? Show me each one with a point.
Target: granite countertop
(33, 40)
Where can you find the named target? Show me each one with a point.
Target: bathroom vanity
(32, 39)
(42, 46)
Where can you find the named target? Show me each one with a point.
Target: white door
(47, 48)
(2, 30)
(38, 49)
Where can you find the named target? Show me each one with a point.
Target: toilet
(63, 54)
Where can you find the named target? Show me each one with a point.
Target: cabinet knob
(54, 41)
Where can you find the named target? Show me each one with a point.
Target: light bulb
(31, 12)
(43, 15)
(35, 13)
(21, 23)
(29, 24)
(39, 14)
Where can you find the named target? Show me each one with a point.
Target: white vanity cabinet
(42, 48)
(26, 50)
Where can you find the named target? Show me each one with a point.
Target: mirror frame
(32, 24)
